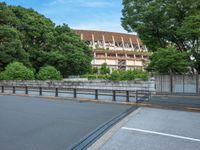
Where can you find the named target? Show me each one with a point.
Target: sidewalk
(153, 129)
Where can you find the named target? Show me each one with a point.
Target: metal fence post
(114, 95)
(40, 91)
(2, 89)
(149, 95)
(75, 95)
(136, 95)
(183, 84)
(56, 94)
(127, 96)
(171, 83)
(13, 89)
(96, 94)
(197, 84)
(26, 90)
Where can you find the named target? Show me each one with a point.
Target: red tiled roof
(98, 35)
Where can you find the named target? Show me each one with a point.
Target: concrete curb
(105, 138)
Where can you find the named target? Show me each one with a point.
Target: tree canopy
(33, 39)
(161, 23)
(167, 61)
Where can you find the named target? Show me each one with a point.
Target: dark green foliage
(169, 61)
(128, 75)
(70, 55)
(94, 70)
(48, 73)
(118, 75)
(11, 47)
(33, 39)
(104, 69)
(96, 76)
(17, 71)
(161, 23)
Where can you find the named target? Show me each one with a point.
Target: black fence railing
(97, 94)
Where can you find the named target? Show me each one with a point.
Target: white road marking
(160, 133)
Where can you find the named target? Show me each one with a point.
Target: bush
(17, 71)
(115, 76)
(96, 76)
(119, 75)
(49, 73)
(128, 75)
(104, 69)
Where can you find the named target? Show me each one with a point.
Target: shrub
(115, 76)
(119, 75)
(49, 73)
(128, 75)
(104, 69)
(17, 71)
(95, 70)
(96, 76)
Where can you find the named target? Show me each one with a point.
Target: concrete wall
(129, 85)
(178, 84)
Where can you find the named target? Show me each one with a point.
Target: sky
(78, 14)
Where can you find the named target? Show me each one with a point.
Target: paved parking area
(157, 129)
(28, 123)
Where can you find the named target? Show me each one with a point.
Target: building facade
(119, 51)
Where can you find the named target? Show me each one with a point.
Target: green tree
(36, 37)
(69, 54)
(11, 47)
(161, 23)
(49, 73)
(17, 71)
(104, 69)
(169, 61)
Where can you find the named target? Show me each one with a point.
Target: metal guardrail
(139, 95)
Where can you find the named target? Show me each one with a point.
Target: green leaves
(11, 47)
(104, 69)
(17, 71)
(48, 73)
(161, 23)
(169, 61)
(33, 39)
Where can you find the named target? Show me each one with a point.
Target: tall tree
(11, 47)
(169, 60)
(69, 54)
(161, 23)
(35, 36)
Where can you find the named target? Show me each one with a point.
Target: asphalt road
(172, 100)
(28, 123)
(157, 129)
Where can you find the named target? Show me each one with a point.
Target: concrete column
(138, 45)
(131, 44)
(94, 58)
(113, 38)
(93, 44)
(106, 58)
(104, 43)
(81, 36)
(145, 48)
(122, 42)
